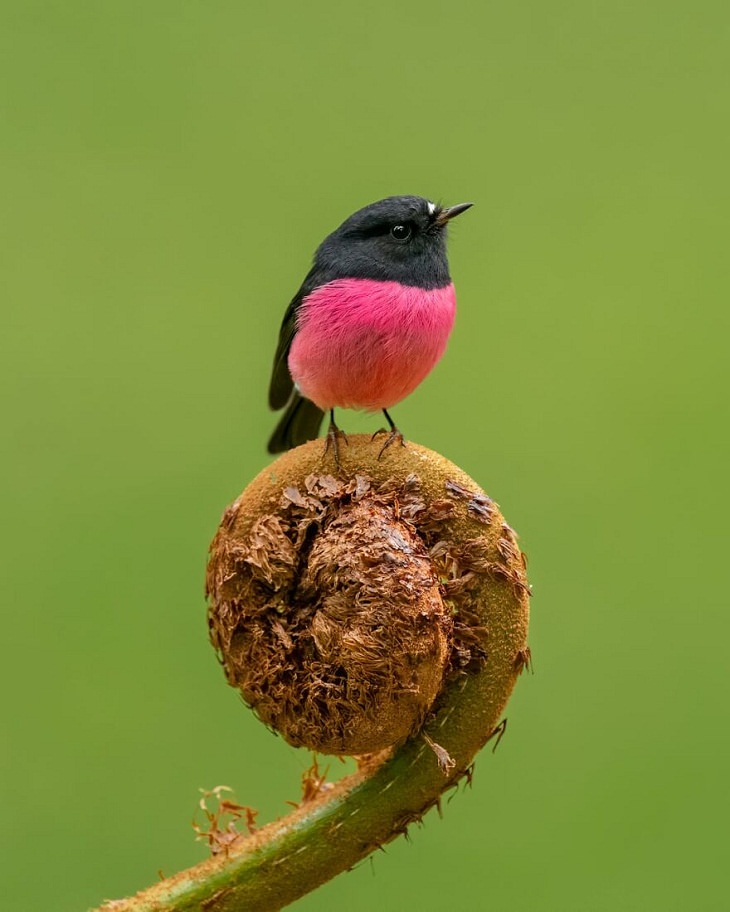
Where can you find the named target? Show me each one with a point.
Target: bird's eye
(401, 232)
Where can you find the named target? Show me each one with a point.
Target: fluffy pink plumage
(367, 344)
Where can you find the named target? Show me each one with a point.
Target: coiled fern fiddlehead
(380, 612)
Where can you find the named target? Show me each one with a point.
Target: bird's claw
(332, 441)
(393, 436)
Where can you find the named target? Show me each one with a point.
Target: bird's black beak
(447, 214)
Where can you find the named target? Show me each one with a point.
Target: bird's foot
(394, 435)
(332, 441)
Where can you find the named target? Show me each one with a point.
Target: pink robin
(371, 319)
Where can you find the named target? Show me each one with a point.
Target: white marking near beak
(431, 208)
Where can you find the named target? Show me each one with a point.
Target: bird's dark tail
(299, 423)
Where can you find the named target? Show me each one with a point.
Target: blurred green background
(167, 171)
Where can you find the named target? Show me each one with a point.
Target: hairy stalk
(481, 575)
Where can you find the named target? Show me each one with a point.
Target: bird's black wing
(282, 384)
(299, 423)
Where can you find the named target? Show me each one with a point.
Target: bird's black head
(400, 239)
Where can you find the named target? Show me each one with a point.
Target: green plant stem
(290, 857)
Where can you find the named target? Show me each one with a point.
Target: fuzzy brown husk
(338, 605)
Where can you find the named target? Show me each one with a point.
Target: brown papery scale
(341, 603)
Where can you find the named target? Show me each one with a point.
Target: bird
(369, 322)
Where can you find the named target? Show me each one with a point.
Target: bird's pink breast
(366, 344)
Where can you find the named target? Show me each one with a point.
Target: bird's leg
(393, 435)
(333, 440)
